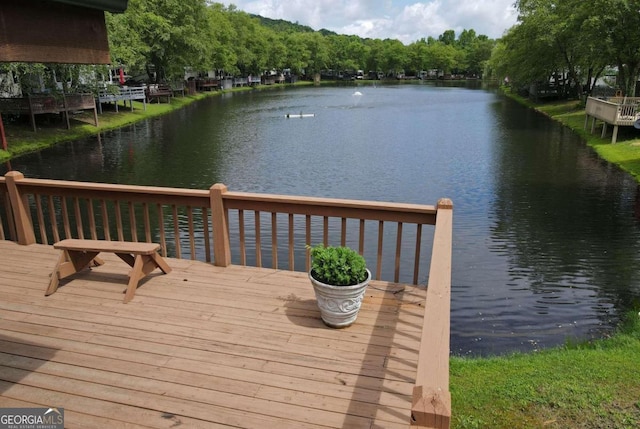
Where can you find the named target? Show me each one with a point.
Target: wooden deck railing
(118, 94)
(617, 111)
(40, 104)
(261, 230)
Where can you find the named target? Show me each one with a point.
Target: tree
(375, 54)
(223, 36)
(297, 54)
(442, 57)
(168, 35)
(395, 55)
(478, 55)
(418, 52)
(574, 41)
(529, 53)
(612, 25)
(164, 37)
(318, 49)
(448, 37)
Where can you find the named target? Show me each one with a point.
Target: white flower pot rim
(330, 286)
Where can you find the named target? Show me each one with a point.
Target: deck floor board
(202, 346)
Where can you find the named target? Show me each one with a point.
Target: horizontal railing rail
(215, 224)
(54, 209)
(601, 109)
(263, 230)
(129, 94)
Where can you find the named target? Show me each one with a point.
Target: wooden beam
(20, 208)
(431, 404)
(221, 245)
(3, 137)
(51, 32)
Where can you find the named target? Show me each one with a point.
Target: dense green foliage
(172, 35)
(570, 44)
(338, 266)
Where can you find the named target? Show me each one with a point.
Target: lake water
(546, 235)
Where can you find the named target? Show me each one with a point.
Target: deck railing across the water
(617, 111)
(263, 230)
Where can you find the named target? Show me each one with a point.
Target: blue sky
(405, 20)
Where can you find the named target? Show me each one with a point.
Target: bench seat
(78, 254)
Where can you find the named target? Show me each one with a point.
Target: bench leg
(160, 263)
(71, 262)
(55, 275)
(134, 278)
(142, 266)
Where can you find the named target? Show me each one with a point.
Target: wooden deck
(617, 111)
(201, 347)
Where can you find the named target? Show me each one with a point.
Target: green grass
(591, 385)
(625, 153)
(21, 139)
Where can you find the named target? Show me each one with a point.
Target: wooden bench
(77, 255)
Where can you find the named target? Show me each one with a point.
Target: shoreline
(625, 154)
(21, 140)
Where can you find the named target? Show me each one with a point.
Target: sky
(405, 20)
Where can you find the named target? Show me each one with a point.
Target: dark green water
(546, 236)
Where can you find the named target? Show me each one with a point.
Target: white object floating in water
(358, 93)
(299, 115)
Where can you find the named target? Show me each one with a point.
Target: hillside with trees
(161, 39)
(172, 35)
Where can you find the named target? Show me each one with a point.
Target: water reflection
(545, 234)
(562, 221)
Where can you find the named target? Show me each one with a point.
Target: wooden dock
(201, 347)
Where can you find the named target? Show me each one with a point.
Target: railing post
(20, 209)
(221, 246)
(431, 404)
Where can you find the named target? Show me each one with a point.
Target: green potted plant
(339, 277)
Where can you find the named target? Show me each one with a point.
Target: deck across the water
(201, 347)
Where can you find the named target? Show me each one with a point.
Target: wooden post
(95, 112)
(66, 110)
(31, 114)
(2, 135)
(20, 209)
(431, 404)
(221, 246)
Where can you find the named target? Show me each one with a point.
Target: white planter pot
(339, 305)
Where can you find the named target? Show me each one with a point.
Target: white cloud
(405, 20)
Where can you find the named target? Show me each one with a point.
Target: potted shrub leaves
(339, 277)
